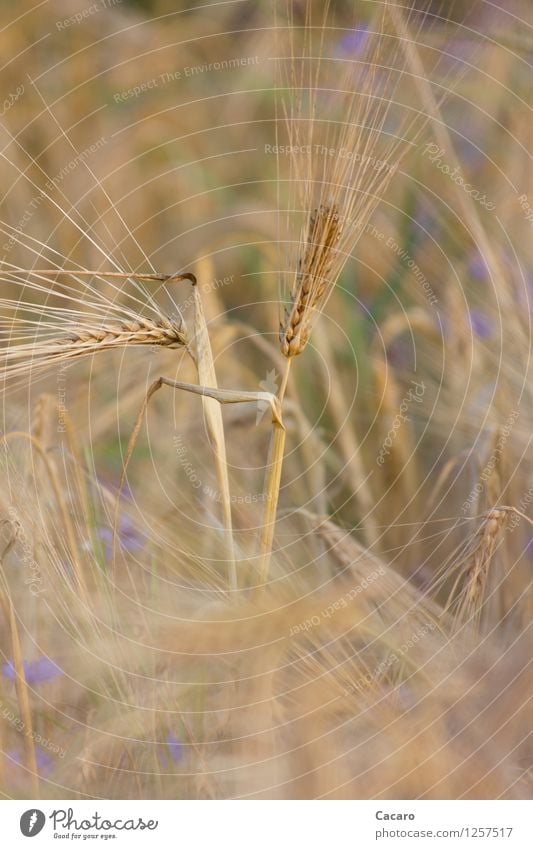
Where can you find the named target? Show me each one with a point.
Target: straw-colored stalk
(21, 689)
(336, 194)
(207, 376)
(68, 526)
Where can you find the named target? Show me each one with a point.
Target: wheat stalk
(205, 366)
(336, 193)
(66, 323)
(21, 689)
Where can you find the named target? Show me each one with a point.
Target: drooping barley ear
(166, 333)
(312, 280)
(65, 322)
(90, 339)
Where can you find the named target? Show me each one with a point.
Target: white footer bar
(268, 824)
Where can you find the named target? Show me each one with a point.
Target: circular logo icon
(32, 822)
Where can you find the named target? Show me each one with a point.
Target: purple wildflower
(129, 537)
(477, 266)
(175, 747)
(172, 752)
(480, 323)
(38, 671)
(45, 762)
(353, 42)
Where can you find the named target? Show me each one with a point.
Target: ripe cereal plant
(346, 142)
(112, 325)
(338, 194)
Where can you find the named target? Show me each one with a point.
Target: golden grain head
(340, 163)
(74, 319)
(164, 332)
(313, 280)
(478, 572)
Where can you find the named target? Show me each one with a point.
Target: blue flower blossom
(477, 266)
(38, 671)
(45, 762)
(480, 323)
(129, 537)
(353, 42)
(172, 752)
(175, 747)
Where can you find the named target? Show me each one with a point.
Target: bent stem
(223, 396)
(272, 484)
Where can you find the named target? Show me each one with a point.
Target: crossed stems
(223, 396)
(273, 470)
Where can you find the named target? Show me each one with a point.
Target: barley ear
(313, 280)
